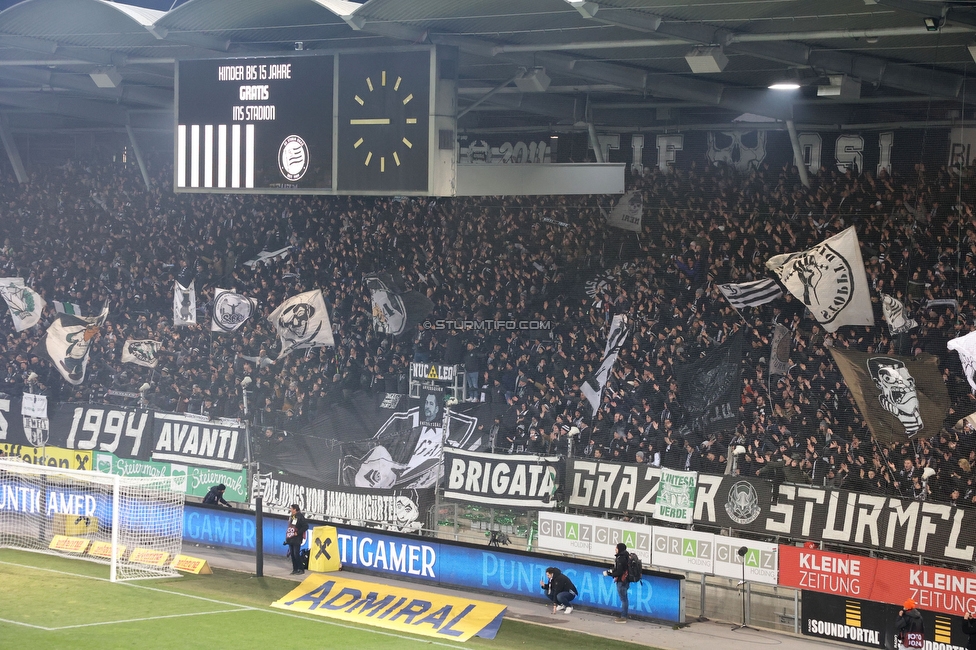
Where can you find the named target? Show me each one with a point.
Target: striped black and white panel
(215, 156)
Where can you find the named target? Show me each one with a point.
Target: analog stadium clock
(383, 122)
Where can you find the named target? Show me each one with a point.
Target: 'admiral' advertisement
(937, 530)
(501, 571)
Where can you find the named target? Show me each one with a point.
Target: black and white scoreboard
(338, 123)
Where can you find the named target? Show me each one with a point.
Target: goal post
(133, 524)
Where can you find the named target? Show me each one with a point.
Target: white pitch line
(36, 627)
(148, 618)
(277, 612)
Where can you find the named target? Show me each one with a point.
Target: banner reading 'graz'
(937, 530)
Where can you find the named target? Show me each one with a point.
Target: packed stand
(87, 235)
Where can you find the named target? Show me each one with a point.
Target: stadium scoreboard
(333, 123)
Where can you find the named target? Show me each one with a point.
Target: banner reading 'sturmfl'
(528, 481)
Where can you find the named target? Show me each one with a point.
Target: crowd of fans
(89, 235)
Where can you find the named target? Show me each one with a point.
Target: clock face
(384, 122)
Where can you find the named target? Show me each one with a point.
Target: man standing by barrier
(910, 628)
(621, 562)
(294, 536)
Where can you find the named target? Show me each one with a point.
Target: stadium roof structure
(615, 64)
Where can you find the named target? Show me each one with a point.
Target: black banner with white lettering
(872, 624)
(401, 510)
(937, 530)
(192, 439)
(711, 387)
(850, 620)
(125, 432)
(491, 479)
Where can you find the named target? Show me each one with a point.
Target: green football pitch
(52, 602)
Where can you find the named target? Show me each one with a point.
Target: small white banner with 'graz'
(592, 537)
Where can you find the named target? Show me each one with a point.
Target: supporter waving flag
(395, 311)
(896, 315)
(230, 310)
(142, 352)
(302, 322)
(966, 347)
(68, 342)
(593, 387)
(25, 305)
(184, 304)
(628, 212)
(829, 279)
(751, 294)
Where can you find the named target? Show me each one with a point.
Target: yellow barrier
(189, 564)
(394, 608)
(67, 524)
(68, 544)
(324, 550)
(104, 549)
(149, 556)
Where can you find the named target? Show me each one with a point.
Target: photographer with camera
(969, 627)
(560, 589)
(621, 563)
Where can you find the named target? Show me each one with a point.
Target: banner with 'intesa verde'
(676, 496)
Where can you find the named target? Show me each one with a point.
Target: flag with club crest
(230, 310)
(900, 398)
(68, 343)
(25, 305)
(302, 322)
(184, 305)
(142, 352)
(594, 386)
(896, 315)
(829, 279)
(965, 346)
(751, 294)
(395, 311)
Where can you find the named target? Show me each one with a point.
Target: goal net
(133, 524)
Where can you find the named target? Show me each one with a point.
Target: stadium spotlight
(932, 24)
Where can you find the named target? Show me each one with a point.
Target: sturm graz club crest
(742, 506)
(293, 158)
(826, 279)
(230, 310)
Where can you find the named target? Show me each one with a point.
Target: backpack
(635, 568)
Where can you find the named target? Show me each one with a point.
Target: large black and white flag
(593, 387)
(68, 342)
(628, 212)
(751, 294)
(779, 355)
(230, 310)
(830, 280)
(896, 315)
(25, 305)
(710, 387)
(395, 311)
(184, 305)
(302, 322)
(900, 398)
(142, 352)
(966, 347)
(266, 257)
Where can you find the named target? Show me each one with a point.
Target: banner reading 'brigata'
(526, 481)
